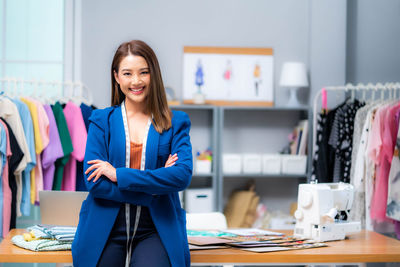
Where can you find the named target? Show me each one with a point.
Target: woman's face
(133, 78)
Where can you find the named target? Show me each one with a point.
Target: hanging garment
(27, 123)
(341, 138)
(80, 183)
(7, 195)
(9, 112)
(13, 164)
(393, 200)
(66, 144)
(43, 123)
(5, 153)
(78, 133)
(358, 168)
(377, 153)
(52, 152)
(37, 171)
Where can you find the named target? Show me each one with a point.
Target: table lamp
(293, 76)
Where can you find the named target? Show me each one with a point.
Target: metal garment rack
(393, 90)
(17, 84)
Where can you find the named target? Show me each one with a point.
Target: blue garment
(80, 183)
(156, 187)
(27, 124)
(3, 153)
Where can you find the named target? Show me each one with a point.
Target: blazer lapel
(117, 139)
(152, 148)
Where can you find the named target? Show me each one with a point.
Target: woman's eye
(127, 74)
(144, 72)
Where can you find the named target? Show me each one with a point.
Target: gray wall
(340, 41)
(373, 41)
(168, 26)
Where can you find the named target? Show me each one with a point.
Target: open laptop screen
(61, 207)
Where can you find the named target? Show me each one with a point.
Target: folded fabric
(55, 232)
(41, 244)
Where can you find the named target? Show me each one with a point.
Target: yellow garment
(34, 114)
(33, 186)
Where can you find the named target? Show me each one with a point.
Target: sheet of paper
(207, 240)
(250, 232)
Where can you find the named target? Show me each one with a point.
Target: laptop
(61, 207)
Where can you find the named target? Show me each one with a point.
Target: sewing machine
(323, 211)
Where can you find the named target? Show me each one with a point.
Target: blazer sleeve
(96, 148)
(164, 180)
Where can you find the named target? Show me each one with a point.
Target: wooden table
(365, 246)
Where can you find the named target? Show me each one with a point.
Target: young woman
(138, 157)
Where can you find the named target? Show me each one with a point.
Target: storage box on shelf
(251, 139)
(271, 164)
(199, 200)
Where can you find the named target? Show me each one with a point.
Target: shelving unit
(203, 135)
(243, 129)
(260, 130)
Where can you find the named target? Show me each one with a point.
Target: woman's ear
(116, 77)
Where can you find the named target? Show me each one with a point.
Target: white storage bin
(203, 166)
(294, 164)
(271, 163)
(251, 163)
(199, 200)
(232, 163)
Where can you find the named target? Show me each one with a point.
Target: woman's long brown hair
(156, 100)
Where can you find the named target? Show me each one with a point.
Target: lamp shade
(294, 74)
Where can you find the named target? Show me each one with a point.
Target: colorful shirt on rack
(4, 150)
(27, 123)
(13, 164)
(66, 144)
(43, 122)
(80, 183)
(9, 112)
(7, 195)
(78, 133)
(52, 152)
(393, 201)
(36, 173)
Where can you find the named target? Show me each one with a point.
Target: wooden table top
(365, 246)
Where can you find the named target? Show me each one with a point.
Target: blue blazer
(156, 187)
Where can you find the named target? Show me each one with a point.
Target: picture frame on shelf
(228, 76)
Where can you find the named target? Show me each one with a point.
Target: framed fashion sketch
(228, 76)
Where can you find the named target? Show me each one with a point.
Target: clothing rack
(17, 84)
(392, 88)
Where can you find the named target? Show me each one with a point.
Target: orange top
(136, 156)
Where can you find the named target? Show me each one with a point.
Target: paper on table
(207, 240)
(271, 249)
(250, 232)
(194, 247)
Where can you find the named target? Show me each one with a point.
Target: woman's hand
(171, 160)
(101, 168)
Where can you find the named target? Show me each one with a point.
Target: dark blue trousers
(147, 249)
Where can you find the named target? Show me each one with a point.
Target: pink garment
(52, 152)
(387, 135)
(43, 122)
(7, 196)
(78, 133)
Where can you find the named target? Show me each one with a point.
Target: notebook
(61, 207)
